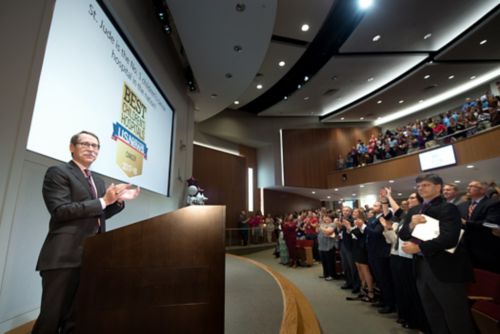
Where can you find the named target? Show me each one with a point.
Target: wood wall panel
(281, 202)
(309, 155)
(223, 176)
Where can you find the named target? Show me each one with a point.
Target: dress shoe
(329, 278)
(386, 310)
(405, 325)
(345, 287)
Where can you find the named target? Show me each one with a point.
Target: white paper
(430, 230)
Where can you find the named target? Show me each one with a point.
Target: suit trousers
(328, 262)
(445, 303)
(57, 310)
(350, 271)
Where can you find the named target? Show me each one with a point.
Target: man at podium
(79, 204)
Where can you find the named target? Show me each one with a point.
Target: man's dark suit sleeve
(63, 201)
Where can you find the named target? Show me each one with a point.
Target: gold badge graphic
(129, 133)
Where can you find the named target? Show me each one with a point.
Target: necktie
(471, 208)
(88, 176)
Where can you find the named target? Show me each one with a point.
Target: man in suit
(482, 245)
(441, 275)
(450, 193)
(79, 205)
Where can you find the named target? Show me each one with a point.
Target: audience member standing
(482, 245)
(441, 275)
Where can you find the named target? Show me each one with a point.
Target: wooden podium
(162, 275)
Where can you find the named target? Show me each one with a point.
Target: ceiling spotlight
(167, 29)
(361, 118)
(341, 118)
(285, 97)
(306, 78)
(379, 101)
(427, 76)
(313, 192)
(457, 181)
(236, 102)
(451, 77)
(427, 36)
(259, 86)
(306, 98)
(391, 181)
(240, 7)
(400, 194)
(305, 27)
(470, 166)
(336, 189)
(299, 86)
(281, 63)
(370, 79)
(376, 38)
(237, 48)
(353, 195)
(473, 77)
(484, 41)
(361, 185)
(364, 4)
(328, 197)
(401, 101)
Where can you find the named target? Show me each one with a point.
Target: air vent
(431, 87)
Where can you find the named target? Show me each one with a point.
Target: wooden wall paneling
(281, 202)
(223, 176)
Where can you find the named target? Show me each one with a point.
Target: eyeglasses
(89, 145)
(474, 186)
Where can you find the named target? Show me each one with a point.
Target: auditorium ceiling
(350, 65)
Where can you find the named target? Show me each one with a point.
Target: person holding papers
(441, 274)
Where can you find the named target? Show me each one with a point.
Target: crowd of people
(383, 263)
(471, 117)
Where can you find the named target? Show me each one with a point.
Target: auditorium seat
(484, 294)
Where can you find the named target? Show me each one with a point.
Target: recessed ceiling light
(484, 41)
(259, 86)
(361, 118)
(473, 77)
(305, 27)
(427, 76)
(457, 181)
(370, 79)
(281, 63)
(401, 101)
(306, 78)
(361, 185)
(328, 197)
(391, 181)
(236, 102)
(427, 36)
(313, 192)
(470, 166)
(285, 97)
(400, 194)
(379, 101)
(306, 98)
(451, 77)
(364, 4)
(376, 38)
(336, 189)
(341, 118)
(299, 86)
(353, 195)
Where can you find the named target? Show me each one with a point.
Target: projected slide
(92, 81)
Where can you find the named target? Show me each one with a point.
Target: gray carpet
(253, 299)
(335, 314)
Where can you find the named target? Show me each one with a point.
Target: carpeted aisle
(335, 314)
(253, 299)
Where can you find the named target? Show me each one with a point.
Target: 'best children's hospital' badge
(129, 134)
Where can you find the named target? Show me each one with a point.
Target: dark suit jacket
(480, 242)
(73, 215)
(446, 266)
(375, 241)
